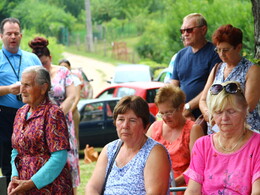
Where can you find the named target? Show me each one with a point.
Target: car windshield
(125, 76)
(124, 91)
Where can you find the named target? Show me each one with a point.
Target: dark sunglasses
(188, 30)
(231, 88)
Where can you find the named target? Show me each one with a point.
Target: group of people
(211, 79)
(37, 103)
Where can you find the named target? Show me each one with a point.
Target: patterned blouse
(239, 74)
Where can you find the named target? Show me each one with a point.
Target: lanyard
(17, 75)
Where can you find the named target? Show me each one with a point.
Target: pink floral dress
(35, 138)
(62, 79)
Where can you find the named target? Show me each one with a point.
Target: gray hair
(200, 19)
(42, 75)
(10, 20)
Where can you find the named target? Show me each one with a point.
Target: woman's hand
(17, 186)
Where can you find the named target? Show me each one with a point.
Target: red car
(146, 90)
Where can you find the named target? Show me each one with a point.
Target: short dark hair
(11, 20)
(228, 33)
(135, 103)
(65, 61)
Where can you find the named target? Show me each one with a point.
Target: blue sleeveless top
(130, 178)
(239, 74)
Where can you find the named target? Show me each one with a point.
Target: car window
(107, 94)
(150, 95)
(93, 112)
(110, 107)
(123, 91)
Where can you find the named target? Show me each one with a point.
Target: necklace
(230, 150)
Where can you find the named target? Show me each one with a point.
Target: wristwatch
(187, 107)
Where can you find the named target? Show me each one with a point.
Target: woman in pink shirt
(227, 162)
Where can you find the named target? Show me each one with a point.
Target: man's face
(192, 32)
(11, 37)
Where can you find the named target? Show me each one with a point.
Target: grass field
(85, 174)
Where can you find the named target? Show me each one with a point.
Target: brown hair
(135, 103)
(170, 93)
(228, 33)
(10, 20)
(39, 46)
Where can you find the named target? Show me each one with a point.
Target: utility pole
(89, 36)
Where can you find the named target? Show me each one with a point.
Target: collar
(9, 54)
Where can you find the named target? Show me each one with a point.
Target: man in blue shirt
(13, 61)
(193, 63)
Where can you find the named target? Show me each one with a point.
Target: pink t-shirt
(220, 173)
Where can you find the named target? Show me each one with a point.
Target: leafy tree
(45, 19)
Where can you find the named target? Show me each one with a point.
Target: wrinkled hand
(14, 89)
(19, 187)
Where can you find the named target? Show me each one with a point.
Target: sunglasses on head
(188, 30)
(231, 88)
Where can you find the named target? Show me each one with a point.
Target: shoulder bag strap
(111, 164)
(216, 67)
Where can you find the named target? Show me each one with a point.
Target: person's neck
(13, 51)
(234, 62)
(198, 46)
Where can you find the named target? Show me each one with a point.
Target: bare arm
(175, 83)
(70, 97)
(256, 187)
(157, 172)
(195, 133)
(193, 188)
(77, 98)
(95, 184)
(252, 92)
(202, 103)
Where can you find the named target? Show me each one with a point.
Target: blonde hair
(220, 101)
(200, 19)
(170, 93)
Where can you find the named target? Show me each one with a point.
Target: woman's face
(227, 52)
(170, 115)
(129, 127)
(32, 93)
(46, 61)
(230, 118)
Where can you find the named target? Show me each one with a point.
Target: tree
(256, 14)
(89, 37)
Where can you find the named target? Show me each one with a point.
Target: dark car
(96, 126)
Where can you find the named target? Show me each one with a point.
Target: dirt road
(99, 71)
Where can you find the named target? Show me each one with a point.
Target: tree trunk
(256, 14)
(89, 37)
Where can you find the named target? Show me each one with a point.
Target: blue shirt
(192, 69)
(8, 76)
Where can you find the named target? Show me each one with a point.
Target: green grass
(85, 174)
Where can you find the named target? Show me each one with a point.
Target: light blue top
(239, 74)
(130, 178)
(49, 171)
(8, 76)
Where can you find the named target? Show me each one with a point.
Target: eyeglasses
(189, 30)
(166, 114)
(231, 88)
(224, 50)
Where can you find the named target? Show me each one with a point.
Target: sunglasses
(231, 88)
(189, 30)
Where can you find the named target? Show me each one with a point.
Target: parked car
(131, 73)
(86, 87)
(96, 126)
(162, 75)
(146, 90)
